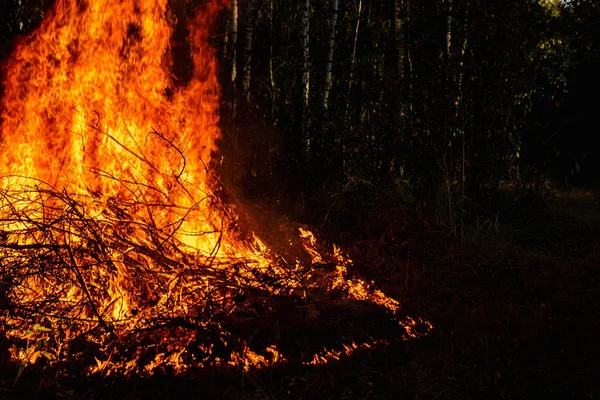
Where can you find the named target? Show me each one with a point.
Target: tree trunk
(305, 79)
(410, 67)
(353, 59)
(330, 48)
(460, 102)
(233, 43)
(271, 73)
(247, 68)
(449, 30)
(227, 23)
(399, 38)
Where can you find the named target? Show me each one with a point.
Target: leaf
(39, 328)
(48, 356)
(40, 345)
(33, 358)
(20, 371)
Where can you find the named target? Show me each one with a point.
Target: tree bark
(271, 73)
(247, 68)
(399, 38)
(449, 30)
(353, 59)
(305, 78)
(410, 68)
(305, 40)
(233, 32)
(460, 101)
(330, 48)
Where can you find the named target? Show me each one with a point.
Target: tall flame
(90, 105)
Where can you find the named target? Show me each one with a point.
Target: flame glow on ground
(112, 230)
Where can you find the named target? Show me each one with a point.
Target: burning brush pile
(116, 250)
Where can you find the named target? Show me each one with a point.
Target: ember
(112, 230)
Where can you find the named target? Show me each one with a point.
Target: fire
(111, 223)
(90, 107)
(326, 356)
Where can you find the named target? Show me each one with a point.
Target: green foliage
(36, 346)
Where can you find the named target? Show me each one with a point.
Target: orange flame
(90, 106)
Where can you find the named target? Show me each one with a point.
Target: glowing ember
(347, 350)
(111, 227)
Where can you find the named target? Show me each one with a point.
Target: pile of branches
(94, 280)
(94, 271)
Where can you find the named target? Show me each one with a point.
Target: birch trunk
(304, 38)
(305, 79)
(399, 37)
(331, 46)
(410, 67)
(449, 30)
(247, 68)
(233, 43)
(353, 59)
(271, 74)
(459, 102)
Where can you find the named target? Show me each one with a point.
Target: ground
(514, 305)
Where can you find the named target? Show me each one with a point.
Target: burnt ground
(514, 304)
